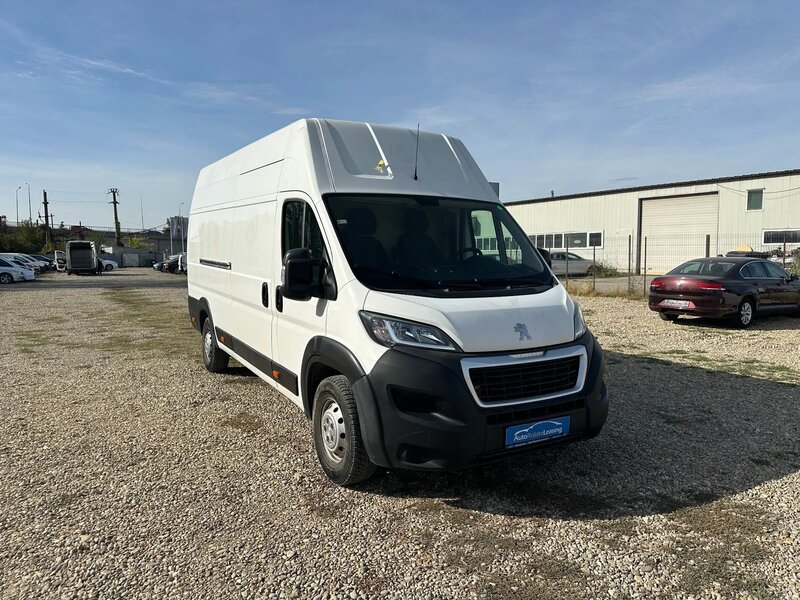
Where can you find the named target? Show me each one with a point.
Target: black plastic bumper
(417, 412)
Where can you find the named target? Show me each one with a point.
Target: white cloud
(696, 88)
(292, 110)
(231, 94)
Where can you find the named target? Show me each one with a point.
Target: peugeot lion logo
(522, 330)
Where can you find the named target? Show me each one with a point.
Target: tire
(745, 313)
(667, 316)
(337, 433)
(108, 268)
(6, 278)
(214, 358)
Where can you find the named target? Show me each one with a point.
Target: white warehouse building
(667, 224)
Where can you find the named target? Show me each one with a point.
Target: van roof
(324, 155)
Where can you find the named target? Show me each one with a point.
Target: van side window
(299, 229)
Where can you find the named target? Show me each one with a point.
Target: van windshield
(435, 245)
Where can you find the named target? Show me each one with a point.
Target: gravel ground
(129, 471)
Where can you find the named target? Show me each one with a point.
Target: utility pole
(114, 192)
(46, 218)
(30, 212)
(169, 226)
(180, 224)
(141, 209)
(17, 200)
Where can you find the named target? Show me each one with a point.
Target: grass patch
(167, 328)
(721, 543)
(55, 319)
(698, 358)
(244, 422)
(30, 342)
(584, 288)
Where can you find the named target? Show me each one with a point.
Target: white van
(81, 257)
(371, 275)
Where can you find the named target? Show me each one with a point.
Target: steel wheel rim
(208, 344)
(746, 313)
(332, 433)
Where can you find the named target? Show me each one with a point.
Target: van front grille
(527, 380)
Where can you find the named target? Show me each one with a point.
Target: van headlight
(389, 332)
(578, 322)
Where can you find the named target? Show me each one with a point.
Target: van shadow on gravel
(677, 436)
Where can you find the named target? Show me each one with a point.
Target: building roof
(659, 186)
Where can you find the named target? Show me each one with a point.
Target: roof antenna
(416, 154)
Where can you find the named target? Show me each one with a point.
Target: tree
(139, 242)
(27, 237)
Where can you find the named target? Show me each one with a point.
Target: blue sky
(564, 96)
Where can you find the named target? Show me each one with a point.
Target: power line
(73, 192)
(80, 201)
(743, 192)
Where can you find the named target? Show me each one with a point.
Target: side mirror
(298, 281)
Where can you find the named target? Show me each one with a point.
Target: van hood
(493, 324)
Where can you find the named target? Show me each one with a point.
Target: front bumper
(417, 412)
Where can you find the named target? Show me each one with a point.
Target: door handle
(265, 294)
(278, 299)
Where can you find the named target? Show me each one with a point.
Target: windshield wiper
(508, 282)
(519, 281)
(395, 275)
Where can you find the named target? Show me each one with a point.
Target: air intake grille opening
(527, 380)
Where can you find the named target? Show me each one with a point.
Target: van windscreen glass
(435, 245)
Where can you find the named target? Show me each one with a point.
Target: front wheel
(108, 268)
(337, 433)
(745, 313)
(214, 358)
(6, 278)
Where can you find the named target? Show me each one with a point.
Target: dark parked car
(735, 287)
(174, 264)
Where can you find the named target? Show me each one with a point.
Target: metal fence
(657, 254)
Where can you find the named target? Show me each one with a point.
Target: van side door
(297, 321)
(252, 281)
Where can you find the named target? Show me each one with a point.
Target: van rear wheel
(337, 433)
(214, 358)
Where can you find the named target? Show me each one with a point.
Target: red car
(734, 287)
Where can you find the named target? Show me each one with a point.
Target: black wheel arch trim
(196, 307)
(325, 352)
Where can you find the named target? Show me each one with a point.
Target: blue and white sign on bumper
(529, 433)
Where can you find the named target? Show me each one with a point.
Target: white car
(578, 265)
(20, 261)
(11, 272)
(44, 266)
(109, 265)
